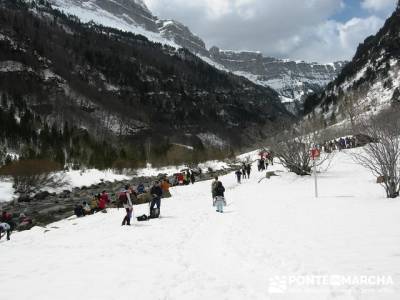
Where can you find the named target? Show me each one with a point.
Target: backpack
(123, 198)
(220, 189)
(142, 218)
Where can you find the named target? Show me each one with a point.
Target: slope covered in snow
(369, 83)
(271, 233)
(120, 17)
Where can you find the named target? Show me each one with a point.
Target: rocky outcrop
(293, 80)
(181, 35)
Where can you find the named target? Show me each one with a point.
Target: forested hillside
(88, 94)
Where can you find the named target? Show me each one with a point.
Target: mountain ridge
(288, 80)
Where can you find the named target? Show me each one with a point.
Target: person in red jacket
(105, 197)
(102, 203)
(6, 217)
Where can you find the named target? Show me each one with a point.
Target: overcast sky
(311, 30)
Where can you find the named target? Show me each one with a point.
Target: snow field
(273, 228)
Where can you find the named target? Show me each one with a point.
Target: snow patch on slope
(89, 12)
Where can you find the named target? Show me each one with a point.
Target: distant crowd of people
(339, 144)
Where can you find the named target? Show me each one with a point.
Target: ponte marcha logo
(284, 284)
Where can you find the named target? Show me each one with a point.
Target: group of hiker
(266, 158)
(244, 172)
(340, 144)
(126, 198)
(98, 203)
(8, 223)
(185, 177)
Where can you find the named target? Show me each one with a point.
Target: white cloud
(378, 5)
(332, 40)
(285, 28)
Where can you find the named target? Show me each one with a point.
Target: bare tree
(292, 147)
(382, 157)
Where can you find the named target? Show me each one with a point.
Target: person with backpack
(213, 187)
(238, 174)
(219, 197)
(156, 192)
(125, 199)
(4, 227)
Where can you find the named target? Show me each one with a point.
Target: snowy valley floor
(270, 231)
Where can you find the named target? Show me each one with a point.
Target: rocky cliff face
(181, 35)
(369, 83)
(292, 80)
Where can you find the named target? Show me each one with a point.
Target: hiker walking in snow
(244, 170)
(213, 187)
(248, 170)
(4, 227)
(238, 174)
(156, 192)
(192, 177)
(219, 197)
(125, 199)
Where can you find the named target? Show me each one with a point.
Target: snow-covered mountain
(369, 83)
(292, 80)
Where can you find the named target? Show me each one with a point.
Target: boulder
(24, 198)
(41, 195)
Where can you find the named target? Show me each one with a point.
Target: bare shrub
(292, 147)
(29, 176)
(382, 157)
